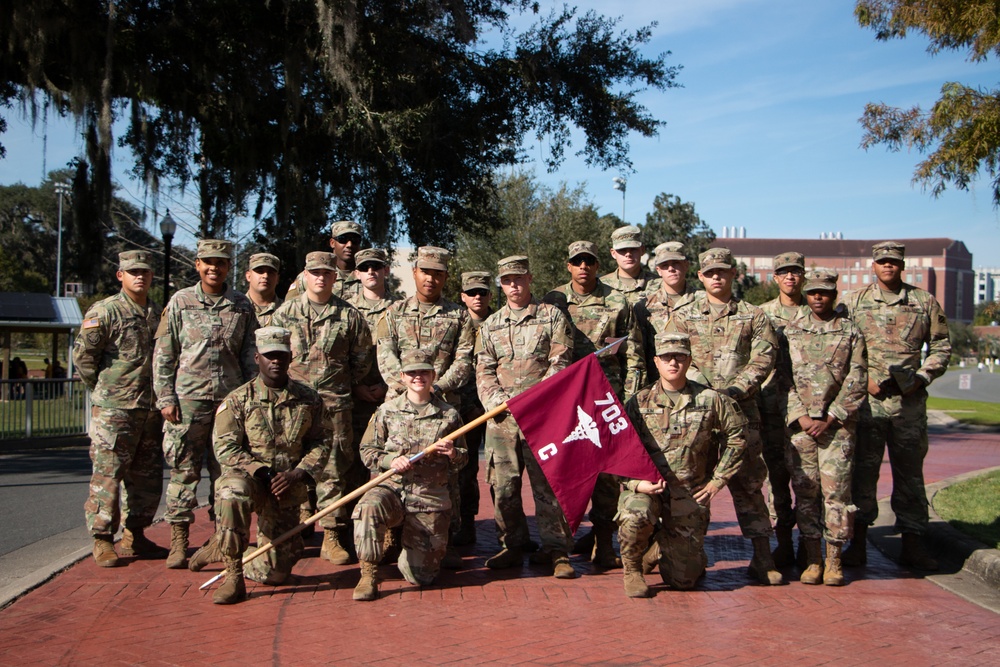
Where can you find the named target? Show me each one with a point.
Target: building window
(845, 279)
(854, 279)
(920, 277)
(864, 279)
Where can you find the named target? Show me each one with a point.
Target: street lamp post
(620, 184)
(62, 190)
(167, 227)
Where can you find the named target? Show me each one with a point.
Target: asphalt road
(983, 386)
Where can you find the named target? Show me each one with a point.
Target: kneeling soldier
(270, 440)
(677, 420)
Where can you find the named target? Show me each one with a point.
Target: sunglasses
(580, 260)
(369, 266)
(344, 239)
(786, 271)
(476, 293)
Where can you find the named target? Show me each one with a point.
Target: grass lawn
(973, 507)
(969, 412)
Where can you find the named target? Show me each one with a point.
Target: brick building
(941, 266)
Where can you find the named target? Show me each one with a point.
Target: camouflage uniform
(680, 438)
(417, 500)
(633, 289)
(204, 350)
(113, 354)
(346, 285)
(825, 372)
(651, 314)
(896, 327)
(259, 430)
(266, 312)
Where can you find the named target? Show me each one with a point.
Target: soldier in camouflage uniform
(262, 279)
(789, 276)
(204, 349)
(825, 372)
(897, 320)
(113, 354)
(733, 350)
(599, 313)
(332, 353)
(270, 439)
(417, 498)
(630, 277)
(345, 241)
(520, 345)
(677, 421)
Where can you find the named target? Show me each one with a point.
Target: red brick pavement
(145, 614)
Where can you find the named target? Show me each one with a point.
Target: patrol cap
(626, 237)
(669, 251)
(715, 258)
(264, 259)
(789, 259)
(417, 360)
(888, 249)
(475, 280)
(369, 255)
(515, 265)
(342, 227)
(433, 258)
(135, 259)
(214, 248)
(821, 279)
(273, 339)
(321, 260)
(582, 248)
(672, 343)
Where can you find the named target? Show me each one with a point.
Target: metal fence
(35, 408)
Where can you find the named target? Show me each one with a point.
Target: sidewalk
(145, 614)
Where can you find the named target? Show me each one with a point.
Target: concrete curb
(24, 585)
(979, 559)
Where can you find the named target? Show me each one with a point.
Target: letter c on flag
(548, 451)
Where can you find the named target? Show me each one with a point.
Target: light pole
(62, 190)
(620, 184)
(167, 227)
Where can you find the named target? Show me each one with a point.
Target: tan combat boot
(104, 551)
(561, 568)
(784, 554)
(506, 558)
(332, 550)
(635, 583)
(234, 589)
(392, 546)
(651, 559)
(134, 543)
(762, 566)
(207, 554)
(367, 588)
(833, 574)
(177, 558)
(914, 554)
(856, 554)
(813, 574)
(604, 551)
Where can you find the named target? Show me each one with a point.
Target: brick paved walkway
(145, 614)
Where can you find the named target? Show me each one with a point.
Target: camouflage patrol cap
(672, 343)
(417, 360)
(582, 248)
(787, 259)
(669, 251)
(515, 265)
(715, 258)
(264, 259)
(273, 339)
(626, 237)
(888, 249)
(369, 255)
(135, 259)
(321, 260)
(433, 258)
(342, 227)
(821, 279)
(475, 280)
(214, 248)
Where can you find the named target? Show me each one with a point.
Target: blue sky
(764, 134)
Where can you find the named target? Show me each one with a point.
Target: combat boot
(856, 554)
(506, 558)
(833, 574)
(234, 589)
(762, 566)
(104, 551)
(561, 568)
(604, 551)
(207, 554)
(585, 545)
(914, 554)
(392, 546)
(367, 588)
(784, 554)
(813, 574)
(177, 558)
(467, 532)
(134, 543)
(332, 550)
(651, 559)
(635, 583)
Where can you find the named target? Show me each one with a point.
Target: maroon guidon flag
(577, 428)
